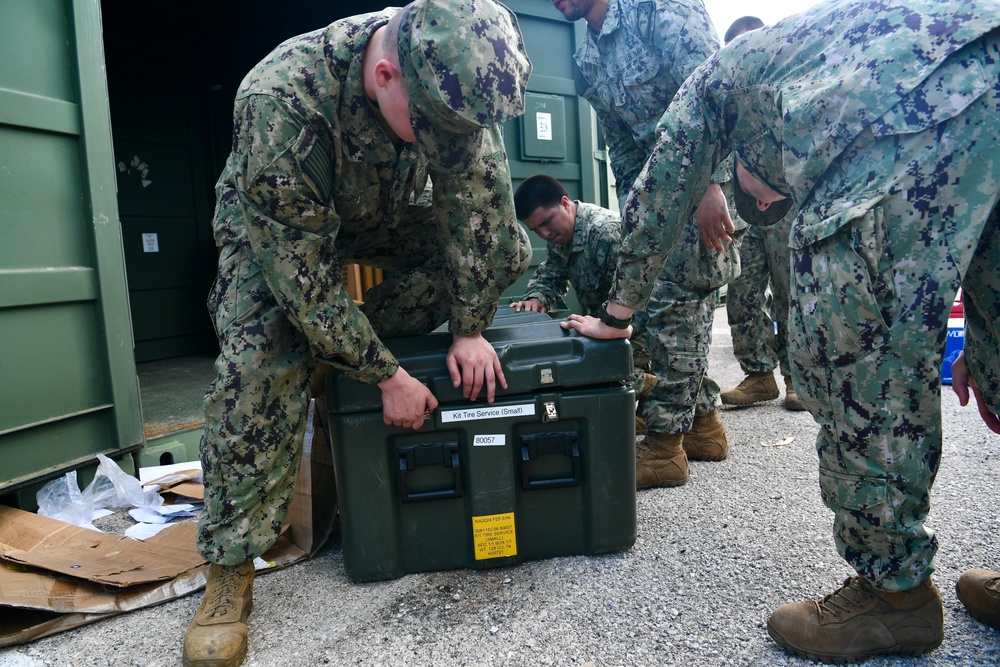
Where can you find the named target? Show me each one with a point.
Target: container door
(158, 94)
(68, 387)
(557, 135)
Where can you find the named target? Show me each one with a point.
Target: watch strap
(612, 321)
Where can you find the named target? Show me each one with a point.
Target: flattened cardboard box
(178, 485)
(37, 542)
(55, 576)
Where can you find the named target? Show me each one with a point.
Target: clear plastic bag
(112, 487)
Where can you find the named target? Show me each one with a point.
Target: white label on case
(487, 412)
(498, 440)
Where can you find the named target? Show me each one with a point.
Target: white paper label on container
(150, 243)
(487, 412)
(497, 440)
(543, 123)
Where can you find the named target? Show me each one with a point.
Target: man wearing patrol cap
(877, 122)
(376, 140)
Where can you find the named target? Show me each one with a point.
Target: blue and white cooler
(956, 338)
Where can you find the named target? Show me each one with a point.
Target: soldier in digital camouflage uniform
(877, 120)
(582, 242)
(752, 312)
(758, 318)
(634, 58)
(336, 135)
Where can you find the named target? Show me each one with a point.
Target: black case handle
(534, 445)
(443, 454)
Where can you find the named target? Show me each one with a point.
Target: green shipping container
(68, 387)
(548, 469)
(115, 120)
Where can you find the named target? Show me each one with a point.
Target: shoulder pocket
(944, 94)
(823, 220)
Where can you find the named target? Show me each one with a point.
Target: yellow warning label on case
(493, 536)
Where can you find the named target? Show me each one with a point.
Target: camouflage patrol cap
(761, 156)
(465, 69)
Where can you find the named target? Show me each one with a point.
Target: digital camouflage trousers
(906, 216)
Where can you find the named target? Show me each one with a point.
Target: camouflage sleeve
(686, 40)
(724, 172)
(982, 349)
(603, 245)
(550, 282)
(606, 244)
(690, 145)
(283, 185)
(625, 155)
(478, 232)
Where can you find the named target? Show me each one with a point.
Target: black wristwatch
(613, 321)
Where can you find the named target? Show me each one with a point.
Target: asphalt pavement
(713, 558)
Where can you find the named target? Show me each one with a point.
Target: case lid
(535, 352)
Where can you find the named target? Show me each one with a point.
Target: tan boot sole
(745, 401)
(905, 650)
(235, 661)
(700, 456)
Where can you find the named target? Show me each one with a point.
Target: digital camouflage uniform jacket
(329, 181)
(631, 70)
(587, 263)
(789, 99)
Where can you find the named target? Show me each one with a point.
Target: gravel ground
(712, 560)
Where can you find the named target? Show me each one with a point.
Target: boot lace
(223, 593)
(641, 450)
(853, 596)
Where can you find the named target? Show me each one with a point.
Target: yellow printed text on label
(493, 536)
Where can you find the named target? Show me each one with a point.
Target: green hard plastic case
(547, 469)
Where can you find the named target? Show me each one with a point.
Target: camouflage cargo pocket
(239, 288)
(845, 290)
(864, 513)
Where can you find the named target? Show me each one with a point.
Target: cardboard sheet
(183, 484)
(47, 544)
(28, 583)
(55, 576)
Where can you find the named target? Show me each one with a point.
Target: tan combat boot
(647, 386)
(660, 461)
(792, 401)
(979, 591)
(706, 441)
(858, 621)
(217, 636)
(755, 388)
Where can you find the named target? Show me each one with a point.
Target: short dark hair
(742, 25)
(390, 40)
(540, 190)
